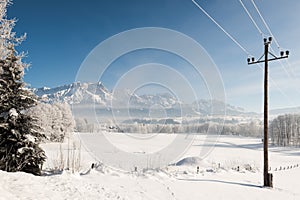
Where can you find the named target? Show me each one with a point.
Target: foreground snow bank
(173, 182)
(151, 185)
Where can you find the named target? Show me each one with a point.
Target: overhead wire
(265, 23)
(270, 32)
(278, 46)
(275, 40)
(237, 43)
(251, 18)
(276, 85)
(213, 20)
(260, 31)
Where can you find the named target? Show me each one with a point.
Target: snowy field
(232, 170)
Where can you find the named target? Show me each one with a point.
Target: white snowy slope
(96, 93)
(218, 177)
(283, 111)
(219, 107)
(76, 93)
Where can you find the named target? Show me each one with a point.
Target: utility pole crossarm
(268, 177)
(283, 54)
(271, 59)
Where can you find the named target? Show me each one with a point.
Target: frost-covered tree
(285, 130)
(56, 120)
(19, 134)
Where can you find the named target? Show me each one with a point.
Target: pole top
(268, 40)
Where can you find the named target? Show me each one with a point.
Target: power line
(283, 66)
(261, 33)
(237, 43)
(277, 86)
(212, 19)
(265, 23)
(268, 28)
(253, 21)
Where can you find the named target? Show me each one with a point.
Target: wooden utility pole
(268, 177)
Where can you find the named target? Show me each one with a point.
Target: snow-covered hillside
(76, 93)
(90, 93)
(231, 171)
(206, 107)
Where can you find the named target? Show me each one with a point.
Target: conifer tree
(19, 133)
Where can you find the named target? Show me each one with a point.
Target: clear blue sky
(61, 33)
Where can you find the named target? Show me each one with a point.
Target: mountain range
(97, 94)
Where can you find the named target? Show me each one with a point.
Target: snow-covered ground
(232, 170)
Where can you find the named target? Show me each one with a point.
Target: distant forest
(283, 130)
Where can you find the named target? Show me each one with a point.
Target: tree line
(248, 129)
(284, 130)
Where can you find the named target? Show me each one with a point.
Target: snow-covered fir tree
(19, 133)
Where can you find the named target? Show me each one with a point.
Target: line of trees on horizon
(284, 130)
(248, 129)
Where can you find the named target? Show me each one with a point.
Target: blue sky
(61, 33)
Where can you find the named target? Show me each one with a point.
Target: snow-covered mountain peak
(76, 93)
(97, 94)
